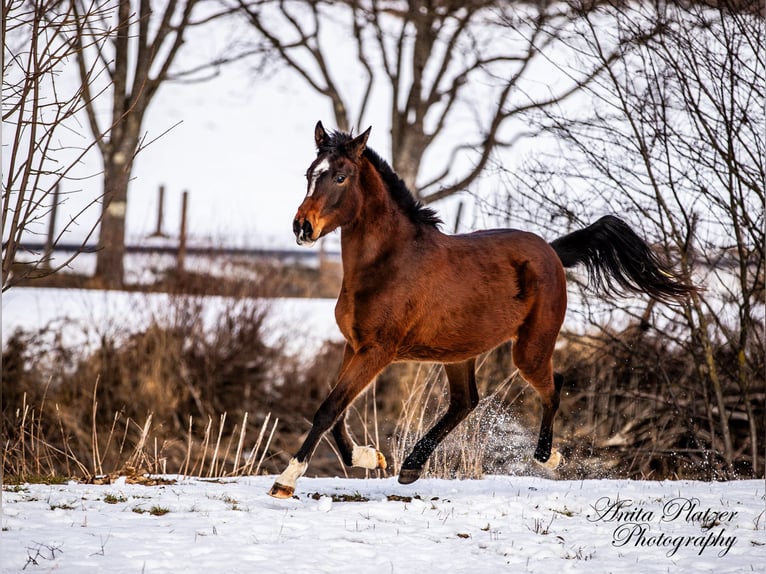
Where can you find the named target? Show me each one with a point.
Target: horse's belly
(455, 339)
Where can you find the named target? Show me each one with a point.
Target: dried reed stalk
(240, 444)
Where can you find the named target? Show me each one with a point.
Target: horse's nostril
(303, 230)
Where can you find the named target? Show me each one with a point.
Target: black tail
(612, 252)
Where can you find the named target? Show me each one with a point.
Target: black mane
(336, 141)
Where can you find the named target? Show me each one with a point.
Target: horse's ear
(319, 134)
(357, 145)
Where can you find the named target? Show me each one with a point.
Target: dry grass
(30, 453)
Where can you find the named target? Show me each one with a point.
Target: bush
(65, 413)
(638, 403)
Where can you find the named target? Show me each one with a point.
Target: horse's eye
(340, 179)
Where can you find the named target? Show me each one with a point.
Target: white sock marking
(554, 460)
(364, 457)
(292, 473)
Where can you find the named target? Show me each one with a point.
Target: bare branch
(427, 59)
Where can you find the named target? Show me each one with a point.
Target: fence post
(160, 213)
(182, 234)
(50, 240)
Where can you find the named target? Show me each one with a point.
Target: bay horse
(412, 293)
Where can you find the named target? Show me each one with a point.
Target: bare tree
(438, 65)
(140, 52)
(38, 108)
(675, 140)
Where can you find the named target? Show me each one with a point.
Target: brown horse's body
(449, 298)
(412, 293)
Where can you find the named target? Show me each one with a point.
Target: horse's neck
(379, 230)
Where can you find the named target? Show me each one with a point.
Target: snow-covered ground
(498, 524)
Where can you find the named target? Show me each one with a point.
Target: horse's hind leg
(351, 453)
(464, 397)
(544, 453)
(354, 455)
(533, 358)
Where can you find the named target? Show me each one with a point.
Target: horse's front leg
(359, 371)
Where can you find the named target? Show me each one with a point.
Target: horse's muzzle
(303, 231)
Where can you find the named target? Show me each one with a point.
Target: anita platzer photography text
(697, 528)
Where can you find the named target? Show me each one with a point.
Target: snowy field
(498, 524)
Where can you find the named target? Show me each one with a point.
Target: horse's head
(333, 197)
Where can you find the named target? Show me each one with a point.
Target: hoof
(409, 475)
(281, 491)
(553, 462)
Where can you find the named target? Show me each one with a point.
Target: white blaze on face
(322, 167)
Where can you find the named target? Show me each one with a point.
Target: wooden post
(160, 213)
(182, 234)
(51, 238)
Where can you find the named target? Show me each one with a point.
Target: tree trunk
(111, 243)
(407, 158)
